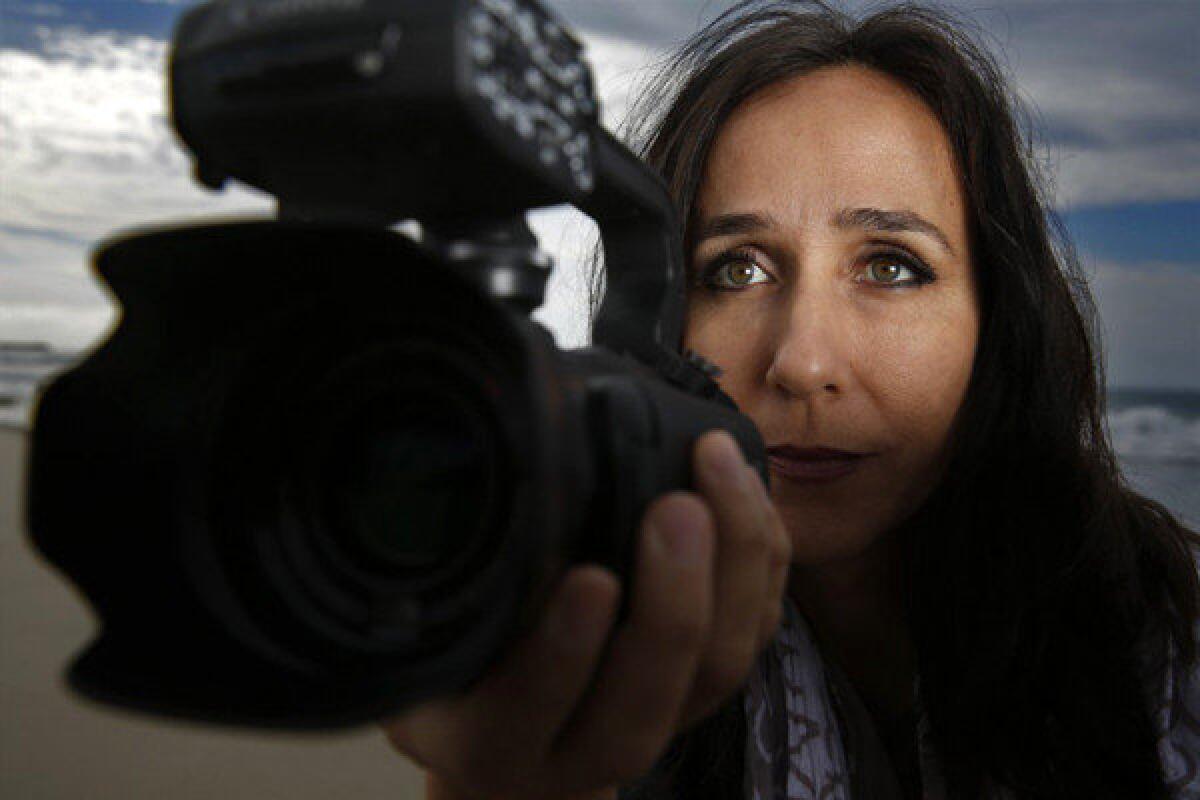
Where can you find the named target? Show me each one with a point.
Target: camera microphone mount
(501, 256)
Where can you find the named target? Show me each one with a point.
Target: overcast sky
(85, 150)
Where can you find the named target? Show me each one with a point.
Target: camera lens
(411, 483)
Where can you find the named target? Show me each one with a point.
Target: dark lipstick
(812, 464)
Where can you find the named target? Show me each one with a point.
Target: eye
(891, 268)
(733, 271)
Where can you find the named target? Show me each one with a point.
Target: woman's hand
(562, 715)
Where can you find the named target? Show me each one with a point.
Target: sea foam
(1153, 433)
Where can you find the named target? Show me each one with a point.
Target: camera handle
(643, 302)
(642, 312)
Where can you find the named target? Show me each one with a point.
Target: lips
(813, 464)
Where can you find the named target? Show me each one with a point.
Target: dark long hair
(1039, 583)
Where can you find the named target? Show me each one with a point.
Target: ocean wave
(1152, 433)
(15, 415)
(15, 404)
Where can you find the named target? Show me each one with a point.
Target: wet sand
(55, 745)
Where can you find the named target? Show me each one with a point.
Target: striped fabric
(808, 737)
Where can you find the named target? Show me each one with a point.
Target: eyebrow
(734, 225)
(871, 219)
(903, 221)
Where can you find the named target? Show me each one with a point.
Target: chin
(826, 536)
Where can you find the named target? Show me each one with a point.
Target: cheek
(912, 384)
(918, 375)
(726, 336)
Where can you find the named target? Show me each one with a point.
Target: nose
(811, 357)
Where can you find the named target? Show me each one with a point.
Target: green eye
(736, 273)
(894, 270)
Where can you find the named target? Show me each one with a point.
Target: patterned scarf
(808, 736)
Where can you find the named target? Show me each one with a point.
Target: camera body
(323, 470)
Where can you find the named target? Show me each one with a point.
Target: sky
(1113, 86)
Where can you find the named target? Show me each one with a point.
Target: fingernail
(725, 459)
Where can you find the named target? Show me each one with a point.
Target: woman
(977, 604)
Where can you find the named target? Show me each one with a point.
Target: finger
(629, 717)
(745, 543)
(542, 682)
(505, 726)
(424, 732)
(778, 565)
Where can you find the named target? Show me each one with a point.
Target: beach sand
(55, 745)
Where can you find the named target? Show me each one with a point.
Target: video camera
(325, 468)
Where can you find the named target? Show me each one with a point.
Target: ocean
(23, 367)
(1156, 432)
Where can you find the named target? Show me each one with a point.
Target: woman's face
(832, 282)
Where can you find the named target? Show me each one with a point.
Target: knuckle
(760, 532)
(682, 632)
(749, 535)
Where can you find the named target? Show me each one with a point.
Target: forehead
(839, 137)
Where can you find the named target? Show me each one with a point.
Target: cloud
(1117, 100)
(569, 236)
(1112, 83)
(621, 67)
(86, 151)
(67, 327)
(46, 293)
(651, 22)
(1151, 329)
(84, 142)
